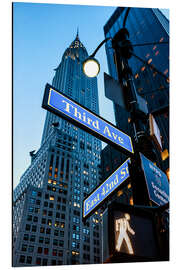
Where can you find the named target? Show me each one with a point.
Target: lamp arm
(94, 53)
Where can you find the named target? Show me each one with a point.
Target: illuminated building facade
(145, 26)
(47, 214)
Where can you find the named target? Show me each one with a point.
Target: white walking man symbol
(122, 227)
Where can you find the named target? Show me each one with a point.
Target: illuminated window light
(164, 154)
(54, 182)
(161, 39)
(129, 185)
(150, 60)
(49, 181)
(120, 192)
(166, 71)
(156, 53)
(50, 174)
(167, 80)
(143, 68)
(136, 76)
(51, 198)
(131, 201)
(129, 120)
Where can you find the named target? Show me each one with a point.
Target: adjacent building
(149, 29)
(47, 203)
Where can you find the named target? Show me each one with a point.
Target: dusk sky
(41, 33)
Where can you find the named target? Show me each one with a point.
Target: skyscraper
(47, 203)
(149, 31)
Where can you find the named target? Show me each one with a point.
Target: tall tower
(146, 26)
(47, 215)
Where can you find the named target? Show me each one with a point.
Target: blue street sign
(106, 188)
(156, 180)
(61, 105)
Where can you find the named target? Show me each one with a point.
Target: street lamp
(91, 67)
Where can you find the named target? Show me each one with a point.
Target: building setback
(145, 26)
(47, 203)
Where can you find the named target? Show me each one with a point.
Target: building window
(29, 260)
(143, 68)
(47, 241)
(24, 248)
(34, 228)
(51, 205)
(53, 262)
(60, 253)
(48, 231)
(46, 251)
(166, 71)
(32, 238)
(39, 250)
(28, 227)
(41, 239)
(30, 249)
(42, 230)
(45, 204)
(49, 222)
(35, 219)
(45, 261)
(29, 217)
(54, 252)
(55, 242)
(26, 237)
(61, 243)
(22, 259)
(38, 202)
(38, 261)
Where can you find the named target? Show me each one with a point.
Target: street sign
(105, 189)
(156, 181)
(65, 107)
(113, 90)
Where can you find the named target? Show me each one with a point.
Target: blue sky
(41, 33)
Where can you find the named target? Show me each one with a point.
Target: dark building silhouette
(145, 26)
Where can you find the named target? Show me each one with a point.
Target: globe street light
(91, 67)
